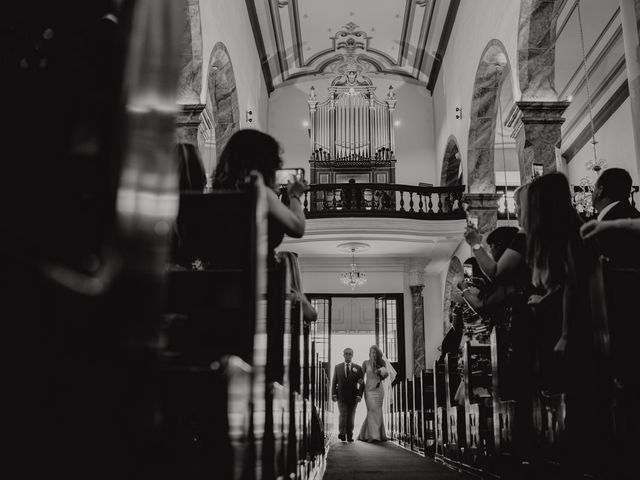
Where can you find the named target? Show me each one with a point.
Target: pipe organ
(352, 133)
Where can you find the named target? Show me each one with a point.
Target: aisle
(384, 461)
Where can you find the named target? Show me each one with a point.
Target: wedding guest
(559, 259)
(611, 200)
(250, 150)
(512, 261)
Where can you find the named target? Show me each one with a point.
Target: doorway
(358, 321)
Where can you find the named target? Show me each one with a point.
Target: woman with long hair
(560, 260)
(379, 377)
(251, 150)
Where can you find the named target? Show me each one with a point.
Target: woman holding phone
(251, 150)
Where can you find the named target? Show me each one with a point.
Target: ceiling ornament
(297, 48)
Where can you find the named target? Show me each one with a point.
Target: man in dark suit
(622, 287)
(347, 389)
(611, 200)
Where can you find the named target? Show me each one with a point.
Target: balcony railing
(383, 200)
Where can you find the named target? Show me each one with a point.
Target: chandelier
(583, 193)
(353, 277)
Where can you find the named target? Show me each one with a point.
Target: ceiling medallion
(353, 277)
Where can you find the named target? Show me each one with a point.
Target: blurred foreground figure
(88, 194)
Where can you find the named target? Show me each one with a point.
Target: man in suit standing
(611, 200)
(347, 389)
(622, 286)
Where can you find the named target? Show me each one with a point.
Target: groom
(347, 390)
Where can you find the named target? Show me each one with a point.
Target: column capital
(189, 114)
(537, 113)
(188, 120)
(481, 201)
(416, 289)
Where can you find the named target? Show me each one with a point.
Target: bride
(379, 376)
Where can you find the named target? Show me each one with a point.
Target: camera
(468, 271)
(472, 221)
(286, 175)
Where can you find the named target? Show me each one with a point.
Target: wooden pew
(455, 413)
(440, 404)
(549, 407)
(503, 403)
(428, 412)
(417, 444)
(215, 353)
(409, 414)
(479, 410)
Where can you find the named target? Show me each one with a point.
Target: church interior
(226, 194)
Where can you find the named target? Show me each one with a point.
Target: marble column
(536, 49)
(417, 304)
(537, 134)
(187, 123)
(630, 10)
(485, 207)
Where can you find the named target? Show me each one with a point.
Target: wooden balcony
(383, 200)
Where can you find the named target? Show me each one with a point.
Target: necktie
(346, 369)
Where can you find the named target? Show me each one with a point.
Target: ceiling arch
(310, 37)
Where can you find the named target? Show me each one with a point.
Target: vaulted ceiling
(307, 37)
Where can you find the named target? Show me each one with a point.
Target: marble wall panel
(454, 275)
(536, 49)
(417, 304)
(190, 81)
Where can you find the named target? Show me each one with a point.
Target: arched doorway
(492, 97)
(452, 174)
(222, 98)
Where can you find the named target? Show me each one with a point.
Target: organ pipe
(350, 123)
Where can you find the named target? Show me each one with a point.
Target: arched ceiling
(307, 37)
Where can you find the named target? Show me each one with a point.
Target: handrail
(383, 200)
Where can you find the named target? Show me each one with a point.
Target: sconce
(249, 116)
(458, 113)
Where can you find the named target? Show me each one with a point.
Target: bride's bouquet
(382, 373)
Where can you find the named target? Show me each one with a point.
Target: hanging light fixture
(353, 277)
(583, 193)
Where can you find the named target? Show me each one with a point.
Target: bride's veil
(387, 382)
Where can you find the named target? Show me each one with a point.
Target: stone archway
(536, 49)
(222, 98)
(493, 74)
(454, 275)
(451, 165)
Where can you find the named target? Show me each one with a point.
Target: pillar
(187, 123)
(537, 134)
(630, 10)
(485, 207)
(417, 305)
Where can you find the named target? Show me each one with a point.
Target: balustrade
(383, 200)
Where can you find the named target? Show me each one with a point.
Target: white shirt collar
(606, 209)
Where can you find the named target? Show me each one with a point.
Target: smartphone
(468, 271)
(286, 175)
(538, 169)
(472, 221)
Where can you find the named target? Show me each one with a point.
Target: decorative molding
(599, 119)
(442, 45)
(262, 52)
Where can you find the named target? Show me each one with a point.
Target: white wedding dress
(372, 429)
